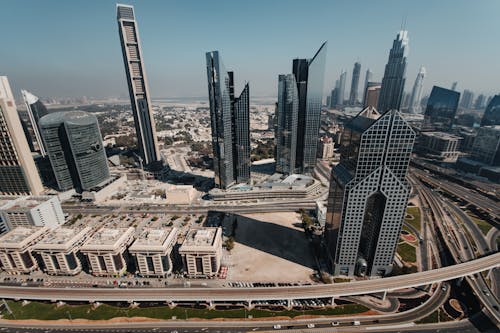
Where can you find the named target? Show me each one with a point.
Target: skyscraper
(467, 99)
(372, 94)
(491, 116)
(230, 123)
(416, 93)
(138, 87)
(454, 86)
(36, 110)
(18, 173)
(353, 96)
(286, 135)
(368, 78)
(75, 149)
(369, 193)
(334, 97)
(479, 103)
(393, 82)
(342, 80)
(309, 76)
(441, 109)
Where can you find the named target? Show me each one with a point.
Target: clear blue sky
(71, 48)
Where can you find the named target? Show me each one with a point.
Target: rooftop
(108, 239)
(155, 239)
(24, 203)
(21, 236)
(200, 237)
(442, 135)
(62, 238)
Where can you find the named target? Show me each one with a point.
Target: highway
(250, 294)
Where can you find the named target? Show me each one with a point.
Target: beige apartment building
(16, 249)
(201, 252)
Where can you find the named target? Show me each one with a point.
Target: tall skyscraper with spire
(138, 87)
(393, 82)
(286, 134)
(416, 93)
(230, 123)
(342, 80)
(18, 173)
(309, 76)
(368, 78)
(36, 110)
(353, 96)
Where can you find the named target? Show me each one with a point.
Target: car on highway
(310, 326)
(277, 327)
(335, 323)
(356, 323)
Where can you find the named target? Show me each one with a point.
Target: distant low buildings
(16, 249)
(326, 148)
(106, 251)
(201, 252)
(152, 249)
(439, 145)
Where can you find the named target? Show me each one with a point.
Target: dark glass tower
(36, 110)
(369, 193)
(75, 149)
(138, 87)
(393, 83)
(491, 115)
(309, 76)
(230, 123)
(287, 114)
(441, 109)
(353, 96)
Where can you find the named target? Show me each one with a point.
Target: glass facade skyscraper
(230, 124)
(74, 146)
(393, 82)
(491, 115)
(441, 109)
(287, 121)
(309, 76)
(36, 110)
(353, 96)
(138, 87)
(369, 193)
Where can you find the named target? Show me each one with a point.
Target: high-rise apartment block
(369, 193)
(393, 83)
(341, 90)
(18, 173)
(467, 99)
(230, 123)
(152, 249)
(36, 110)
(353, 96)
(32, 211)
(74, 145)
(138, 87)
(416, 93)
(368, 78)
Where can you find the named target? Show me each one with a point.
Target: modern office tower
(393, 83)
(32, 211)
(486, 147)
(201, 252)
(59, 250)
(286, 134)
(491, 116)
(353, 96)
(467, 99)
(441, 109)
(230, 123)
(138, 87)
(341, 94)
(440, 146)
(18, 173)
(106, 251)
(152, 250)
(416, 93)
(372, 94)
(15, 249)
(309, 76)
(368, 78)
(36, 110)
(334, 96)
(454, 86)
(369, 193)
(479, 103)
(74, 145)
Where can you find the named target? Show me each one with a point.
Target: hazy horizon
(64, 49)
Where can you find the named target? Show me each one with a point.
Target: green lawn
(433, 318)
(482, 224)
(415, 212)
(407, 252)
(45, 311)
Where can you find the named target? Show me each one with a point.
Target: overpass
(252, 294)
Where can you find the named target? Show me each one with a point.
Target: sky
(71, 48)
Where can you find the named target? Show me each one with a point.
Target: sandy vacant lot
(270, 247)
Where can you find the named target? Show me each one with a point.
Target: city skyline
(173, 49)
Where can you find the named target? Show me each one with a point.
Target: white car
(310, 326)
(277, 327)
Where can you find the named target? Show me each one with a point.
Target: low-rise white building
(32, 211)
(105, 251)
(152, 251)
(16, 246)
(59, 250)
(201, 252)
